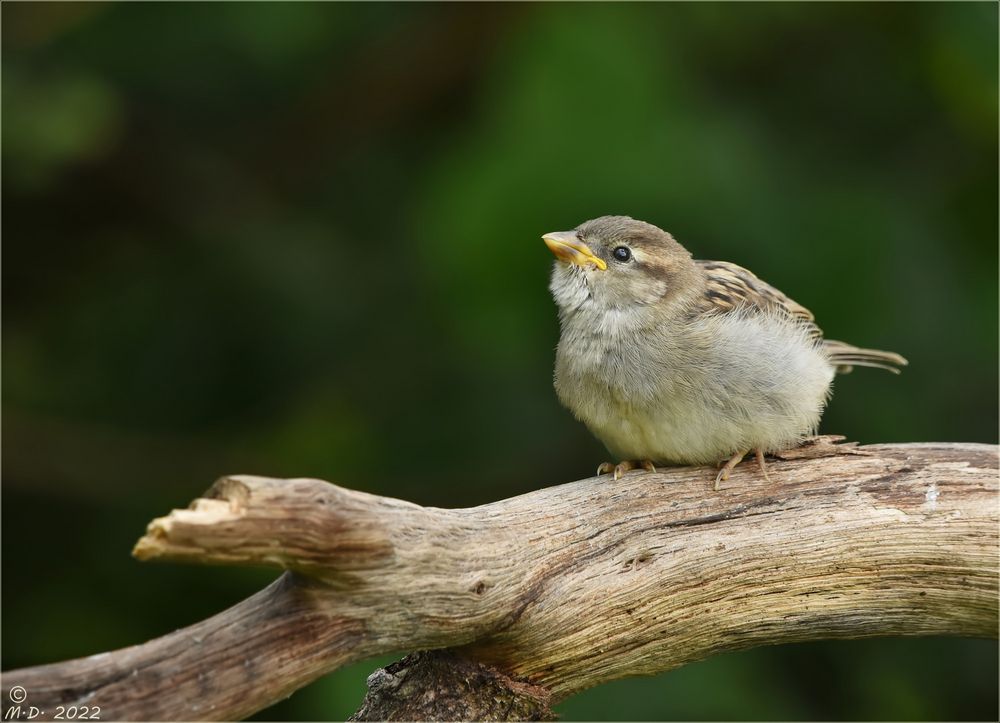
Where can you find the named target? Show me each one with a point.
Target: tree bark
(543, 595)
(441, 685)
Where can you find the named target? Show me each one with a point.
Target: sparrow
(669, 359)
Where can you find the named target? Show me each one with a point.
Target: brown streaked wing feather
(729, 287)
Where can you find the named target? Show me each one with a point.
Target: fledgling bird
(668, 359)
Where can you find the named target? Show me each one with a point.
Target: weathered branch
(557, 590)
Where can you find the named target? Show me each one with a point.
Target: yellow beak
(567, 247)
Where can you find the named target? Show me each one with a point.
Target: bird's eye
(622, 253)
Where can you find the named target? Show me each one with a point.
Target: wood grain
(563, 588)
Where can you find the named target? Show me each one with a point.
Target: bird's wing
(729, 287)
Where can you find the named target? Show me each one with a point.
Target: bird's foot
(728, 467)
(735, 460)
(626, 465)
(760, 462)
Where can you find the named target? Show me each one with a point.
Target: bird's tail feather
(847, 356)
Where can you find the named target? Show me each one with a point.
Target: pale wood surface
(566, 587)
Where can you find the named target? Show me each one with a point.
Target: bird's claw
(763, 467)
(735, 460)
(626, 465)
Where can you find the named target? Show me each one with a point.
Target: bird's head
(616, 263)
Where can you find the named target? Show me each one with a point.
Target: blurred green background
(303, 240)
